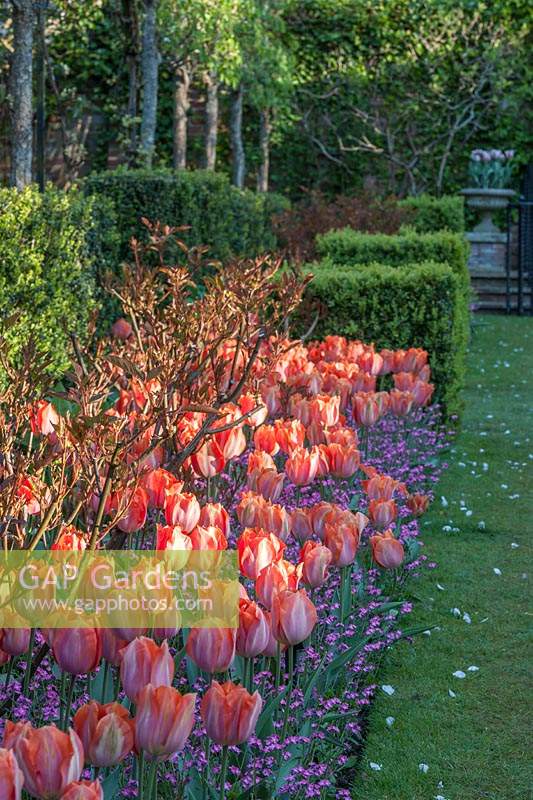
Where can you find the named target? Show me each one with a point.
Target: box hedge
(347, 247)
(228, 220)
(415, 305)
(48, 246)
(432, 214)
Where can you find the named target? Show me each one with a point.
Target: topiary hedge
(347, 247)
(229, 221)
(415, 305)
(48, 246)
(433, 214)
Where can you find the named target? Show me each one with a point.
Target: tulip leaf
(111, 784)
(312, 683)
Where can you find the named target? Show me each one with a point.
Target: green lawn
(474, 741)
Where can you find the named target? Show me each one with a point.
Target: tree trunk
(211, 121)
(20, 90)
(265, 129)
(132, 33)
(182, 81)
(150, 66)
(237, 147)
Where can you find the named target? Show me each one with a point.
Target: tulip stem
(104, 681)
(278, 665)
(224, 771)
(68, 703)
(289, 693)
(152, 782)
(140, 774)
(27, 674)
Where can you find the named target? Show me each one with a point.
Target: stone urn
(487, 201)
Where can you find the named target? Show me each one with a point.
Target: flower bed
(313, 462)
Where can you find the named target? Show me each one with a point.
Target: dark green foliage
(436, 213)
(347, 247)
(47, 246)
(229, 221)
(415, 305)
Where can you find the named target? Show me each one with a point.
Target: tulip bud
(293, 617)
(11, 777)
(230, 713)
(416, 503)
(49, 760)
(106, 732)
(15, 641)
(143, 662)
(83, 790)
(77, 650)
(316, 559)
(211, 649)
(182, 509)
(382, 512)
(163, 721)
(302, 465)
(387, 551)
(252, 633)
(257, 549)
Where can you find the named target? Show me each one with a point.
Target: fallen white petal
(459, 674)
(441, 587)
(374, 766)
(388, 689)
(444, 502)
(473, 668)
(451, 693)
(497, 571)
(456, 612)
(389, 721)
(514, 544)
(467, 618)
(423, 768)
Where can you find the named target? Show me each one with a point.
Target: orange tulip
(49, 760)
(182, 508)
(365, 408)
(143, 661)
(290, 434)
(318, 515)
(293, 617)
(371, 362)
(209, 459)
(211, 649)
(77, 650)
(70, 538)
(13, 731)
(267, 482)
(275, 519)
(43, 418)
(210, 538)
(345, 436)
(11, 777)
(232, 442)
(112, 645)
(15, 641)
(249, 402)
(302, 465)
(83, 790)
(259, 460)
(163, 721)
(325, 409)
(230, 713)
(106, 732)
(401, 403)
(271, 650)
(252, 633)
(156, 483)
(265, 439)
(249, 509)
(416, 503)
(136, 510)
(300, 408)
(215, 514)
(382, 487)
(257, 549)
(413, 360)
(343, 461)
(387, 551)
(382, 512)
(315, 559)
(316, 433)
(342, 541)
(171, 537)
(276, 577)
(301, 525)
